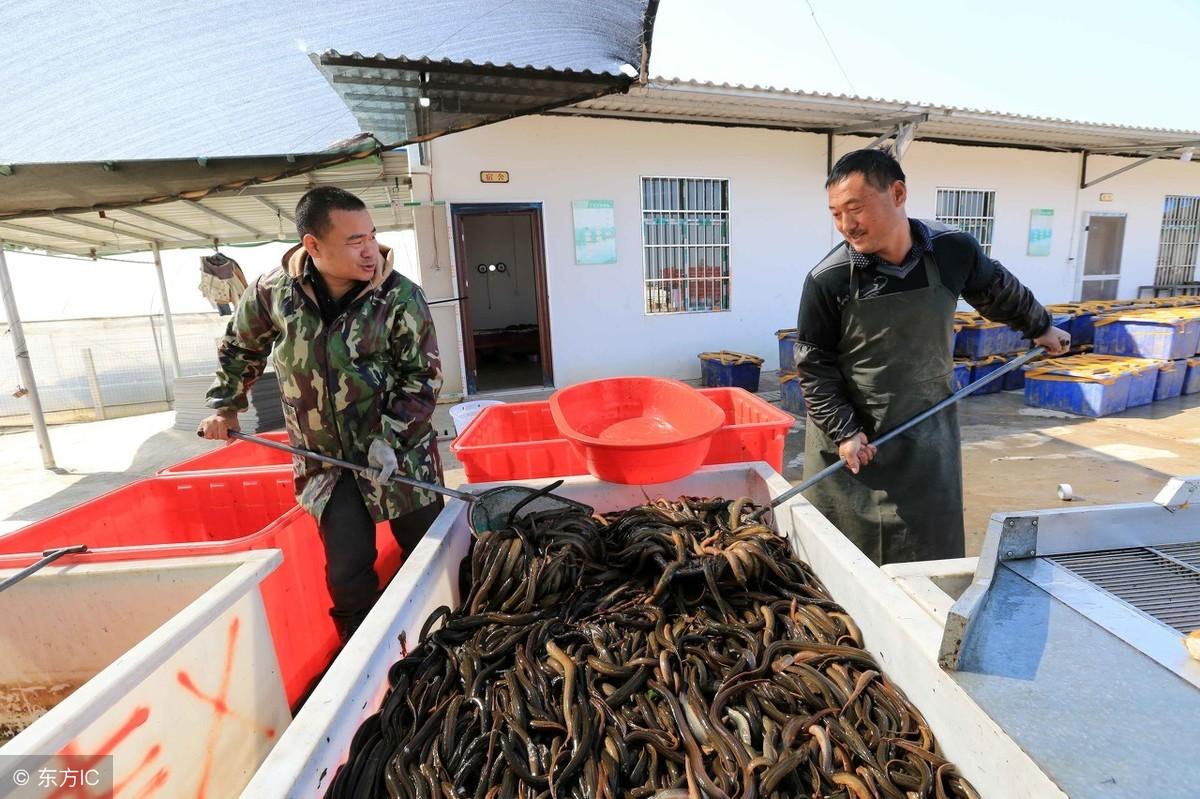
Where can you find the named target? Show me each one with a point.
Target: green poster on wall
(1041, 228)
(595, 232)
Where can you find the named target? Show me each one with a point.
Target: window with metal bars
(1179, 240)
(685, 244)
(971, 211)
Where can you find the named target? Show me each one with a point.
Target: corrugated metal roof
(674, 99)
(125, 79)
(405, 100)
(249, 212)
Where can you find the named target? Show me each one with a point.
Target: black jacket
(964, 269)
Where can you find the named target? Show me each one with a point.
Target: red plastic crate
(214, 513)
(236, 455)
(520, 441)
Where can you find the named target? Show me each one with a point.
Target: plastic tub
(168, 668)
(1171, 375)
(637, 430)
(519, 440)
(237, 455)
(1088, 391)
(962, 374)
(1191, 381)
(730, 369)
(1143, 374)
(787, 349)
(1013, 381)
(980, 338)
(465, 412)
(210, 513)
(1143, 381)
(1163, 334)
(791, 394)
(982, 368)
(753, 430)
(895, 629)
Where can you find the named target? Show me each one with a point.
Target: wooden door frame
(541, 287)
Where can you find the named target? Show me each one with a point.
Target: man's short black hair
(312, 212)
(878, 168)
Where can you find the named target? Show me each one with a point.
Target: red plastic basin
(236, 455)
(637, 430)
(214, 513)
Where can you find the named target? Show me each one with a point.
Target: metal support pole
(23, 366)
(89, 366)
(172, 349)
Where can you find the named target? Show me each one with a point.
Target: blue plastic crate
(981, 341)
(787, 349)
(1014, 380)
(1170, 380)
(1161, 338)
(984, 367)
(1142, 384)
(962, 374)
(1191, 380)
(791, 396)
(730, 369)
(1082, 328)
(1084, 394)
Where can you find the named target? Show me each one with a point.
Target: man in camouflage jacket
(353, 348)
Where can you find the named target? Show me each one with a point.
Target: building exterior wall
(779, 224)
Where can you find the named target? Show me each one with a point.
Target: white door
(1100, 266)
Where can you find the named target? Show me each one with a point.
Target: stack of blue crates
(1081, 388)
(791, 396)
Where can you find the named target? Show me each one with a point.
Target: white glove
(381, 462)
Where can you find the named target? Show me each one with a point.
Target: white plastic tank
(465, 412)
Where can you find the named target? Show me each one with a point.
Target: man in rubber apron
(875, 348)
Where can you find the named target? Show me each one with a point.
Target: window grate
(971, 211)
(685, 244)
(1178, 240)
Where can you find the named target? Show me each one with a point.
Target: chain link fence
(95, 368)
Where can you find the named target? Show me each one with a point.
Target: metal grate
(1179, 240)
(1162, 582)
(971, 211)
(685, 244)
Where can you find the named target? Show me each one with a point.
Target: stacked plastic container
(233, 499)
(520, 440)
(981, 347)
(730, 369)
(1141, 355)
(791, 396)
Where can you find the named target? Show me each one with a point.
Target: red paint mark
(219, 702)
(72, 759)
(157, 781)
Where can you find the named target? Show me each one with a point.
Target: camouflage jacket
(372, 373)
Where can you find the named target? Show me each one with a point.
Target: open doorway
(502, 278)
(1103, 242)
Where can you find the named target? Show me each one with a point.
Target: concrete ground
(1013, 457)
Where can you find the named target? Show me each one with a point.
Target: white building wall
(1139, 194)
(1023, 180)
(598, 324)
(780, 225)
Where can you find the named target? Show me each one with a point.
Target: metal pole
(23, 365)
(168, 393)
(93, 383)
(1016, 363)
(172, 349)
